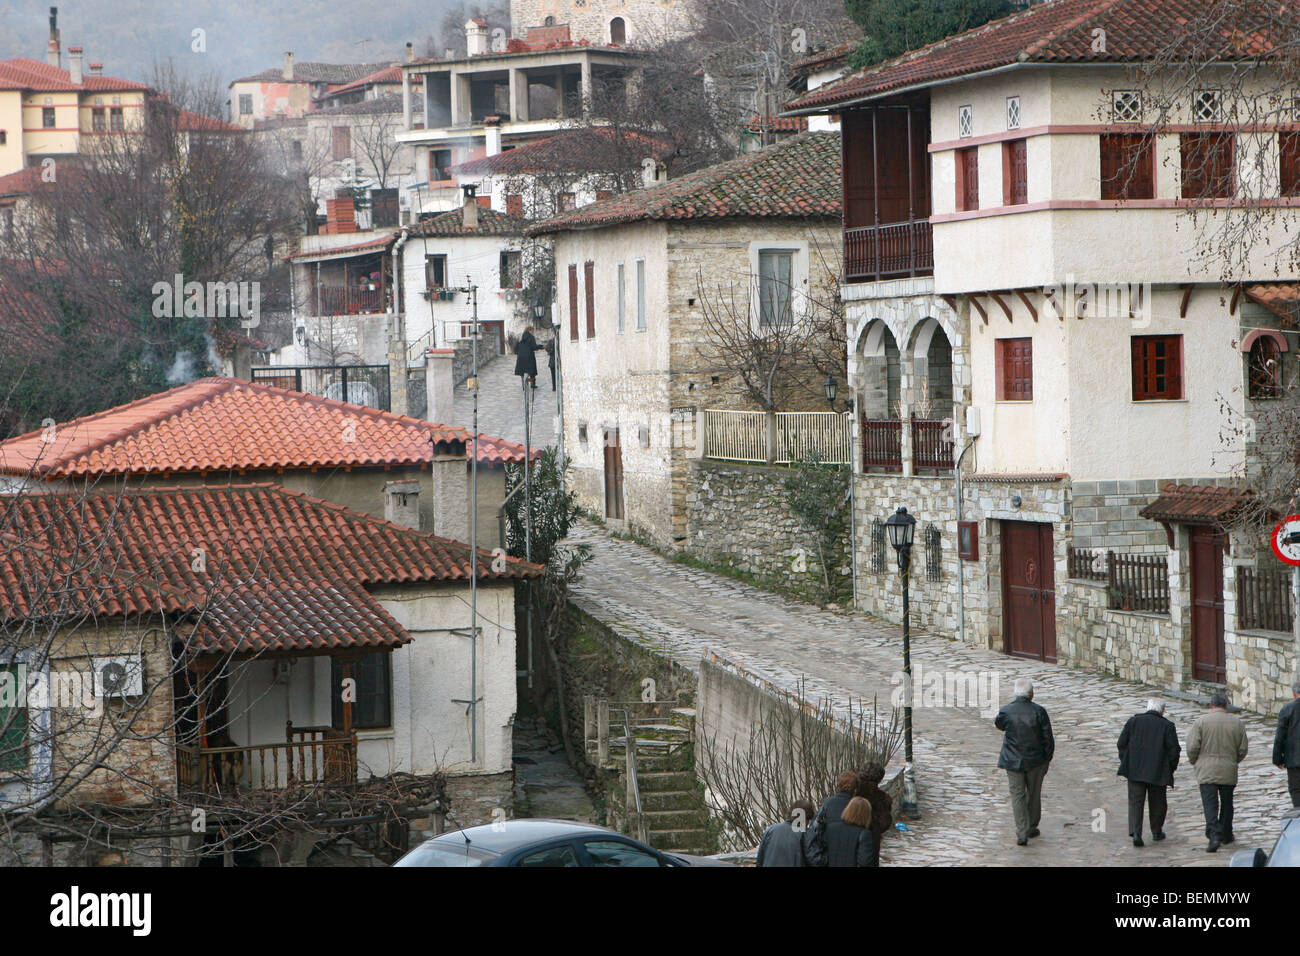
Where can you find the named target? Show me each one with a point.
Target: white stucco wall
(473, 259)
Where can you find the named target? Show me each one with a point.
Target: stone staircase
(674, 816)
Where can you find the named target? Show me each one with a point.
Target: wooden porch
(309, 757)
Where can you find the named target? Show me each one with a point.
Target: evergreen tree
(896, 26)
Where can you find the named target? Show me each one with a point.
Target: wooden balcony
(345, 300)
(931, 445)
(888, 252)
(310, 757)
(882, 445)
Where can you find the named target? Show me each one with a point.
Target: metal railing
(731, 435)
(359, 384)
(882, 252)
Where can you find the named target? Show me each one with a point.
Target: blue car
(542, 843)
(1286, 851)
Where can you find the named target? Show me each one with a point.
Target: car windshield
(446, 853)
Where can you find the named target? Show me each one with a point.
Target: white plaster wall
(475, 257)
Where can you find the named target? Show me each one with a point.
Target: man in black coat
(1286, 744)
(526, 358)
(1148, 756)
(1027, 750)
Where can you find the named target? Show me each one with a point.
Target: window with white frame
(640, 295)
(1013, 112)
(965, 121)
(618, 292)
(775, 278)
(1207, 106)
(1126, 106)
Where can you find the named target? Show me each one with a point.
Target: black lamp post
(902, 528)
(832, 388)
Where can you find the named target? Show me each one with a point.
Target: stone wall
(739, 514)
(1105, 513)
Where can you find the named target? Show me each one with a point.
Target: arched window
(549, 22)
(1264, 369)
(618, 31)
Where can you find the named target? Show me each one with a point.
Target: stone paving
(965, 811)
(501, 403)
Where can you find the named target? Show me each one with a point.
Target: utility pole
(528, 510)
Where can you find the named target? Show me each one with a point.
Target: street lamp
(832, 388)
(902, 529)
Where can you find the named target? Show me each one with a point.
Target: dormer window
(1126, 106)
(1013, 112)
(965, 121)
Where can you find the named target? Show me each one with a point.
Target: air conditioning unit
(119, 676)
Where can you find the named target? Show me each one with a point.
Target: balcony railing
(732, 435)
(1134, 582)
(358, 384)
(344, 300)
(883, 252)
(931, 445)
(882, 444)
(313, 757)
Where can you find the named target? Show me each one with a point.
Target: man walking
(526, 356)
(1215, 746)
(1148, 756)
(1286, 744)
(783, 843)
(1027, 749)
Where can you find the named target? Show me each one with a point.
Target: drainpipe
(961, 567)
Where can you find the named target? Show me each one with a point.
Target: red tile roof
(1197, 504)
(796, 178)
(315, 72)
(280, 571)
(1059, 32)
(224, 424)
(778, 124)
(368, 245)
(1280, 298)
(825, 59)
(452, 223)
(579, 150)
(28, 74)
(388, 75)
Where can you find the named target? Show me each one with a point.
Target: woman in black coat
(526, 359)
(848, 841)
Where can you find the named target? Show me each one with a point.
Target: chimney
(52, 50)
(438, 385)
(340, 216)
(402, 503)
(476, 37)
(96, 69)
(492, 135)
(451, 495)
(74, 65)
(653, 172)
(469, 209)
(448, 54)
(410, 52)
(286, 71)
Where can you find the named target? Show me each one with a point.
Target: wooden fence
(882, 444)
(743, 436)
(1264, 599)
(1134, 582)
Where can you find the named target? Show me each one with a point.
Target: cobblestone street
(966, 814)
(501, 403)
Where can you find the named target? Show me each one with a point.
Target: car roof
(512, 834)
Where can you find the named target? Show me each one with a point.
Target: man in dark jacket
(1286, 744)
(1027, 749)
(550, 359)
(846, 786)
(1148, 756)
(783, 843)
(882, 806)
(526, 358)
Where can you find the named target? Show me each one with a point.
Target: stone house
(640, 278)
(1026, 307)
(209, 634)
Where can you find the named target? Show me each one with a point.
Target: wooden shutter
(515, 205)
(1127, 166)
(589, 281)
(573, 303)
(1014, 367)
(1289, 155)
(1015, 174)
(968, 179)
(1173, 366)
(1208, 165)
(342, 142)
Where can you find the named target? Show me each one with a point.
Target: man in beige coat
(1215, 746)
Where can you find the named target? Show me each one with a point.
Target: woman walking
(848, 841)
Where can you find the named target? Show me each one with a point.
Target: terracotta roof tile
(223, 424)
(1055, 33)
(452, 223)
(1280, 298)
(281, 571)
(798, 177)
(24, 73)
(1197, 504)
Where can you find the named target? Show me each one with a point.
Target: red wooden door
(1209, 657)
(613, 474)
(1028, 590)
